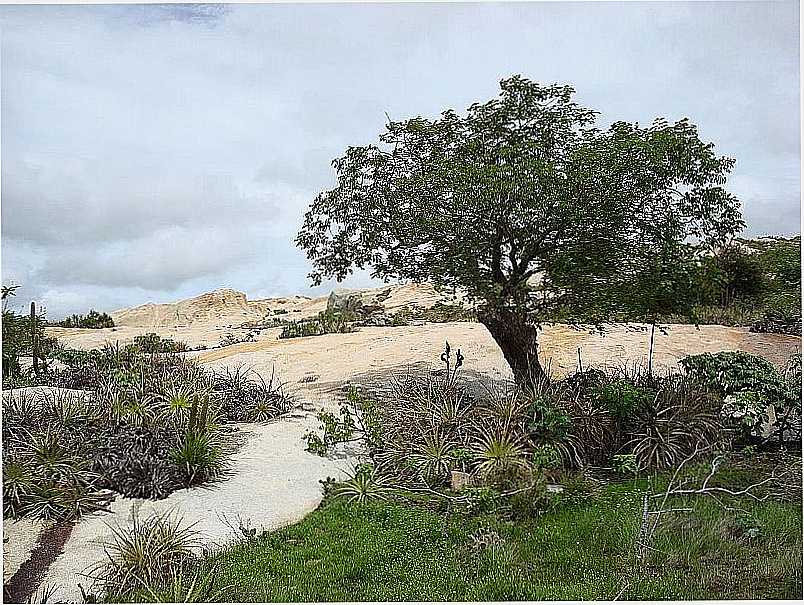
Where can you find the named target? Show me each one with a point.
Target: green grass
(580, 550)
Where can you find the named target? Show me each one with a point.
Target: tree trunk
(518, 341)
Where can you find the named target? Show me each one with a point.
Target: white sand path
(273, 483)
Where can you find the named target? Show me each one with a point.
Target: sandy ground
(273, 482)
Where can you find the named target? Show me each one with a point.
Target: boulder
(360, 302)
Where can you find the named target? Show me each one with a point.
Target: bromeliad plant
(420, 428)
(143, 426)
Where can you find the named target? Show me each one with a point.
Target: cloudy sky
(150, 153)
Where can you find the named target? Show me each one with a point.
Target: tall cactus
(34, 340)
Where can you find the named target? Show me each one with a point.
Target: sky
(155, 152)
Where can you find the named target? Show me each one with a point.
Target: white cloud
(160, 151)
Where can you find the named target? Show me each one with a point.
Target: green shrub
(750, 386)
(327, 322)
(93, 319)
(145, 554)
(199, 457)
(153, 343)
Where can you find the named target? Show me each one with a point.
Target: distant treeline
(752, 282)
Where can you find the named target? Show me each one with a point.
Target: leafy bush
(753, 390)
(93, 319)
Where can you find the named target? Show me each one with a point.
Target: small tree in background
(531, 210)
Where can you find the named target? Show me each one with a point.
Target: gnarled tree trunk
(518, 340)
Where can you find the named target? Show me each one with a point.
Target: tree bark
(518, 340)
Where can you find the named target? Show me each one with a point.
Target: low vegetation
(93, 319)
(327, 322)
(153, 343)
(140, 424)
(422, 428)
(438, 313)
(580, 544)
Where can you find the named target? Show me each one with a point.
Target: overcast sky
(151, 153)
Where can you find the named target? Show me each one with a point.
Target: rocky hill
(227, 307)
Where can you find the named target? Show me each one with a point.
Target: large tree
(531, 210)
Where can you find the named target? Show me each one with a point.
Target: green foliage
(145, 554)
(93, 319)
(153, 343)
(754, 283)
(751, 385)
(45, 476)
(624, 399)
(246, 396)
(356, 421)
(388, 551)
(327, 322)
(525, 186)
(199, 457)
(730, 371)
(365, 485)
(626, 464)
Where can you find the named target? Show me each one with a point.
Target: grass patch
(580, 549)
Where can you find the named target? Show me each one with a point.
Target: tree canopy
(528, 206)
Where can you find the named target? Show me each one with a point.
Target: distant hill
(230, 307)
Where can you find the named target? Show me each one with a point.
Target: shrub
(198, 456)
(232, 339)
(153, 343)
(93, 319)
(682, 419)
(327, 322)
(245, 396)
(365, 485)
(752, 387)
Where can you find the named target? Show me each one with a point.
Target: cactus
(34, 340)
